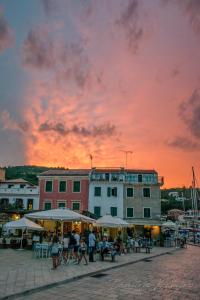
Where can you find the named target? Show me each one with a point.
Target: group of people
(76, 247)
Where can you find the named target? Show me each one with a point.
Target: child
(82, 249)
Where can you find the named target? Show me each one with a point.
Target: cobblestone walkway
(20, 271)
(169, 277)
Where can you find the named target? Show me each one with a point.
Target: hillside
(28, 173)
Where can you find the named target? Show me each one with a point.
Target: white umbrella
(169, 224)
(23, 224)
(109, 221)
(60, 214)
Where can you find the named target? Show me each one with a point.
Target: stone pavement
(168, 277)
(20, 271)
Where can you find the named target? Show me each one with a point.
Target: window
(62, 186)
(97, 211)
(97, 191)
(30, 204)
(146, 192)
(147, 212)
(19, 204)
(112, 192)
(61, 204)
(22, 186)
(140, 178)
(76, 187)
(107, 176)
(10, 186)
(47, 205)
(129, 192)
(76, 206)
(113, 211)
(129, 212)
(48, 186)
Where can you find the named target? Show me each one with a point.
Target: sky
(99, 77)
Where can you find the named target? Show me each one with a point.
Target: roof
(122, 170)
(18, 180)
(67, 172)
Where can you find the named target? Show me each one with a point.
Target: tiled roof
(18, 180)
(67, 172)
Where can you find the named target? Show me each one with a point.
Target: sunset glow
(101, 77)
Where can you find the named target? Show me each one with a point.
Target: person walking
(65, 252)
(82, 251)
(91, 244)
(55, 251)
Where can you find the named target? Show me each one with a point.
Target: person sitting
(105, 248)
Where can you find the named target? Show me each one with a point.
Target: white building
(20, 193)
(106, 192)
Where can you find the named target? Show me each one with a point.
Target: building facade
(20, 194)
(106, 192)
(64, 188)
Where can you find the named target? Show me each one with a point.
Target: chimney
(2, 174)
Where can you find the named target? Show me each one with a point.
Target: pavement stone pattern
(174, 276)
(21, 271)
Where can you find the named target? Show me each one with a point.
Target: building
(133, 195)
(64, 188)
(106, 191)
(19, 194)
(2, 174)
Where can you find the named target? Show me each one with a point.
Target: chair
(44, 250)
(37, 250)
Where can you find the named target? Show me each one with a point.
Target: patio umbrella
(23, 223)
(109, 221)
(60, 214)
(169, 224)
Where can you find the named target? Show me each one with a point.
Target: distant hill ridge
(27, 172)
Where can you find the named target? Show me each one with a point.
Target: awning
(23, 224)
(60, 214)
(109, 221)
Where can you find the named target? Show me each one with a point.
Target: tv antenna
(126, 152)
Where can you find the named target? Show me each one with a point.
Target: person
(65, 252)
(76, 245)
(104, 247)
(91, 243)
(55, 251)
(82, 250)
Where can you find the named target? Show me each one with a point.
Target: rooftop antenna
(91, 158)
(126, 152)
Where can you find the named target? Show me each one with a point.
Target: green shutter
(129, 192)
(61, 204)
(62, 186)
(147, 213)
(113, 211)
(48, 186)
(47, 206)
(146, 192)
(77, 187)
(129, 212)
(97, 211)
(108, 191)
(97, 191)
(76, 206)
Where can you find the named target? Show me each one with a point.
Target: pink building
(64, 188)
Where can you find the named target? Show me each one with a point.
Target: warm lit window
(30, 204)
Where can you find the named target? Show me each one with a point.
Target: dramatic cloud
(9, 123)
(129, 22)
(191, 8)
(38, 50)
(94, 131)
(183, 143)
(6, 34)
(190, 113)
